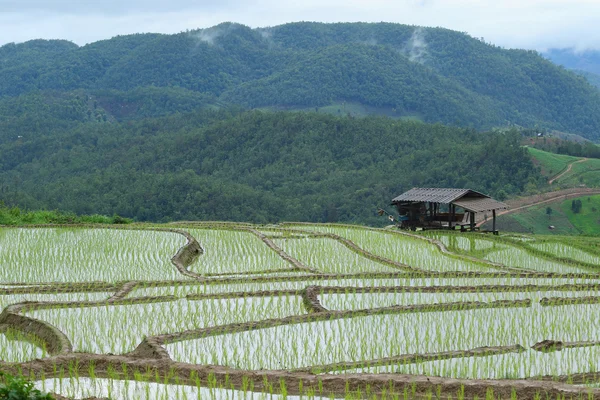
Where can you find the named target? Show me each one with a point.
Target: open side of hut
(443, 208)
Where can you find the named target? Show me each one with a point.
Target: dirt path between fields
(560, 175)
(412, 359)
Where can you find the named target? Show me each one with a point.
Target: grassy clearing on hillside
(583, 172)
(536, 220)
(550, 163)
(587, 221)
(586, 173)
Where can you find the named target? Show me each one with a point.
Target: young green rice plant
(74, 255)
(565, 251)
(519, 258)
(330, 256)
(212, 287)
(15, 348)
(351, 339)
(408, 250)
(142, 390)
(465, 242)
(522, 365)
(228, 251)
(85, 255)
(285, 234)
(361, 301)
(121, 328)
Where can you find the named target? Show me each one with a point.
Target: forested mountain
(432, 74)
(252, 166)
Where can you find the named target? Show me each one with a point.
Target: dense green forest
(252, 166)
(432, 74)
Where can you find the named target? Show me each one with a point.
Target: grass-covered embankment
(14, 216)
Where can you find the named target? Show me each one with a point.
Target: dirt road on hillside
(557, 177)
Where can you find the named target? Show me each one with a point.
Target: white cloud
(535, 24)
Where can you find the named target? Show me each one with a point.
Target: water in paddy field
(350, 339)
(15, 349)
(133, 390)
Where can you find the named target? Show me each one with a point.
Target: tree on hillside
(576, 206)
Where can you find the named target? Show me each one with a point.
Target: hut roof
(466, 198)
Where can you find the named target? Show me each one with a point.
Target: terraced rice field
(297, 311)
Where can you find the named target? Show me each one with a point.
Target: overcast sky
(532, 24)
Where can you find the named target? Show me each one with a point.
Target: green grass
(586, 172)
(16, 217)
(535, 220)
(550, 163)
(582, 173)
(565, 222)
(587, 221)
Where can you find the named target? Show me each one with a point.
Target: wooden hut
(438, 208)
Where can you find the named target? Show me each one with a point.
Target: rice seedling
(564, 251)
(330, 256)
(350, 339)
(464, 242)
(120, 328)
(348, 328)
(137, 390)
(183, 289)
(520, 258)
(228, 251)
(361, 301)
(85, 255)
(414, 252)
(15, 348)
(528, 363)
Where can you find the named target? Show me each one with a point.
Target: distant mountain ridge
(588, 60)
(433, 74)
